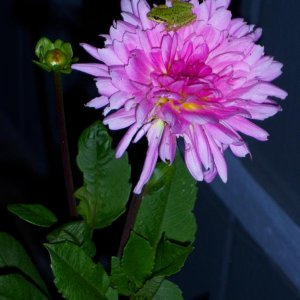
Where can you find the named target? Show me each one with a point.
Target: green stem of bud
(64, 144)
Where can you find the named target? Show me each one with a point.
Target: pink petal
(118, 99)
(98, 102)
(97, 70)
(108, 56)
(138, 68)
(218, 159)
(243, 125)
(191, 158)
(125, 141)
(120, 79)
(105, 86)
(223, 134)
(120, 119)
(167, 149)
(220, 19)
(93, 51)
(154, 137)
(240, 151)
(202, 147)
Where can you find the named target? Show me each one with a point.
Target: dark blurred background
(248, 241)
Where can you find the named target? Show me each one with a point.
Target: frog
(174, 17)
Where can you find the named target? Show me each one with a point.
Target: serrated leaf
(119, 278)
(35, 214)
(149, 289)
(138, 259)
(76, 275)
(170, 257)
(12, 254)
(77, 232)
(16, 287)
(167, 206)
(106, 187)
(168, 290)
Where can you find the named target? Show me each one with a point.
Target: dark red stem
(64, 148)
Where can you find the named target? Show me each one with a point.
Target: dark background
(236, 256)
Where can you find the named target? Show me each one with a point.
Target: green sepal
(35, 214)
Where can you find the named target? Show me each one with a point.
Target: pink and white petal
(131, 19)
(222, 3)
(218, 158)
(118, 99)
(200, 54)
(245, 126)
(223, 134)
(120, 119)
(121, 51)
(126, 6)
(167, 149)
(138, 68)
(105, 86)
(220, 19)
(109, 56)
(143, 111)
(202, 147)
(98, 102)
(117, 32)
(261, 91)
(240, 151)
(259, 111)
(143, 9)
(93, 51)
(210, 174)
(191, 158)
(98, 70)
(142, 132)
(125, 141)
(120, 79)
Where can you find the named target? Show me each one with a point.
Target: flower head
(202, 82)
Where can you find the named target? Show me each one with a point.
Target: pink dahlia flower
(202, 82)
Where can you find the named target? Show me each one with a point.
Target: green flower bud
(54, 57)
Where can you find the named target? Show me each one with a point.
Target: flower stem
(131, 217)
(64, 148)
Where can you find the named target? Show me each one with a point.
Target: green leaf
(149, 289)
(119, 278)
(168, 290)
(170, 257)
(33, 213)
(167, 205)
(106, 187)
(77, 232)
(138, 259)
(16, 287)
(12, 254)
(76, 275)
